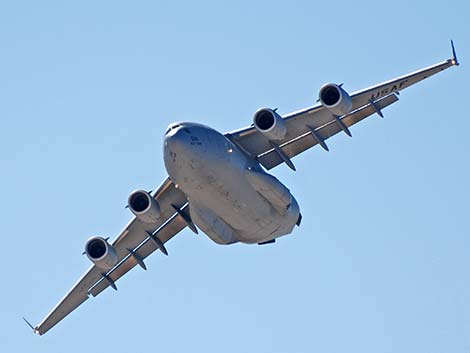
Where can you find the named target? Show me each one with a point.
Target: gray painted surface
(229, 194)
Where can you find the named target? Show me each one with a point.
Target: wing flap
(270, 159)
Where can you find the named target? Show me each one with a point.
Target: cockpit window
(171, 128)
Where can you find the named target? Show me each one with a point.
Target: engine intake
(270, 124)
(144, 206)
(101, 253)
(334, 98)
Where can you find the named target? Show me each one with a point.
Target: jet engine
(101, 253)
(270, 124)
(144, 206)
(335, 99)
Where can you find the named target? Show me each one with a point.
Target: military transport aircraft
(218, 182)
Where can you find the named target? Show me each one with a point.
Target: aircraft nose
(176, 140)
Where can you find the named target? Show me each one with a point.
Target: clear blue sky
(381, 261)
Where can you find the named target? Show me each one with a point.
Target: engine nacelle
(144, 206)
(270, 124)
(335, 99)
(101, 253)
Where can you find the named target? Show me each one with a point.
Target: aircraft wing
(309, 127)
(132, 246)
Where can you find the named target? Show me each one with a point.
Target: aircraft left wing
(314, 125)
(133, 245)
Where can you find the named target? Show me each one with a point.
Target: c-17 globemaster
(219, 183)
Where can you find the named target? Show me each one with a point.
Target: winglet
(453, 60)
(35, 329)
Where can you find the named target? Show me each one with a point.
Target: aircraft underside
(231, 198)
(216, 182)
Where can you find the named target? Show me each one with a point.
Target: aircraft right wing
(133, 245)
(311, 126)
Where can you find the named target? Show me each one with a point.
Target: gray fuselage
(231, 198)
